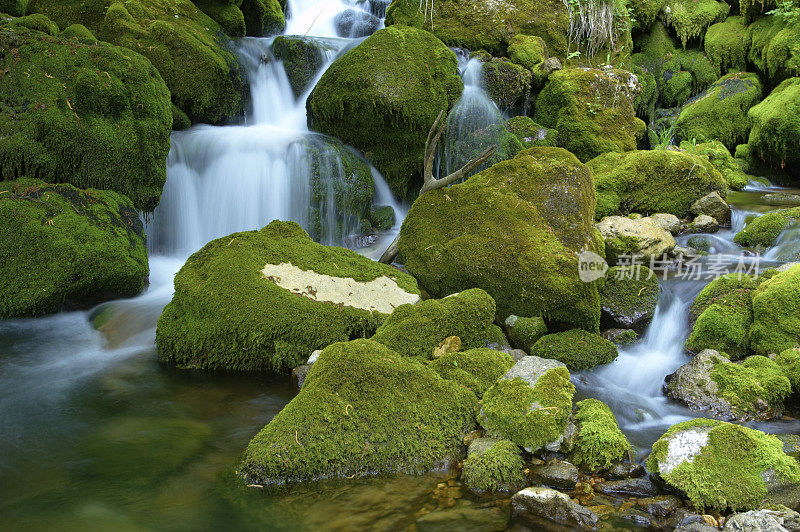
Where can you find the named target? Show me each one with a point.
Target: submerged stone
(551, 505)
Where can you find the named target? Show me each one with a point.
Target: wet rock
(620, 336)
(668, 221)
(713, 205)
(624, 236)
(302, 57)
(704, 224)
(637, 517)
(629, 487)
(554, 506)
(660, 506)
(688, 521)
(791, 444)
(354, 23)
(554, 474)
(782, 199)
(299, 377)
(763, 521)
(626, 470)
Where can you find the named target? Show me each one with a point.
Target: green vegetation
(789, 362)
(776, 313)
(497, 469)
(226, 13)
(726, 45)
(507, 84)
(302, 58)
(628, 297)
(772, 47)
(476, 369)
(763, 231)
(263, 17)
(691, 18)
(576, 348)
(531, 134)
(524, 332)
(527, 50)
(599, 442)
(719, 156)
(775, 133)
(747, 386)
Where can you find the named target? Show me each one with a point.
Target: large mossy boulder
(628, 298)
(226, 13)
(719, 465)
(763, 231)
(513, 230)
(649, 182)
(416, 330)
(592, 110)
(476, 25)
(719, 156)
(263, 17)
(726, 46)
(720, 112)
(776, 313)
(775, 133)
(264, 300)
(383, 96)
(187, 47)
(507, 84)
(64, 248)
(576, 348)
(363, 410)
(93, 115)
(598, 441)
(772, 46)
(303, 58)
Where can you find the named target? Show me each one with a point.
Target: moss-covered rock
(226, 13)
(80, 33)
(592, 110)
(576, 348)
(533, 414)
(789, 362)
(383, 96)
(531, 134)
(598, 442)
(719, 465)
(263, 17)
(720, 112)
(645, 12)
(683, 74)
(772, 44)
(527, 50)
(649, 182)
(524, 332)
(15, 8)
(93, 115)
(493, 466)
(719, 156)
(763, 231)
(186, 46)
(626, 237)
(775, 133)
(726, 46)
(476, 25)
(415, 330)
(507, 84)
(235, 305)
(475, 369)
(363, 410)
(64, 248)
(302, 58)
(37, 22)
(513, 230)
(776, 313)
(690, 18)
(628, 297)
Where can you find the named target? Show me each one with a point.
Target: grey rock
(624, 470)
(552, 505)
(554, 474)
(638, 517)
(629, 487)
(660, 506)
(761, 520)
(530, 368)
(299, 377)
(624, 236)
(713, 205)
(704, 224)
(668, 221)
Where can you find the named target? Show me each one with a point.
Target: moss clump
(90, 115)
(747, 386)
(37, 22)
(691, 18)
(508, 84)
(650, 182)
(497, 469)
(763, 232)
(628, 298)
(477, 25)
(719, 156)
(476, 369)
(263, 17)
(531, 134)
(382, 98)
(683, 74)
(225, 13)
(302, 58)
(186, 46)
(576, 348)
(530, 416)
(775, 133)
(362, 410)
(527, 50)
(726, 46)
(80, 33)
(776, 313)
(599, 443)
(415, 330)
(644, 12)
(729, 470)
(180, 121)
(789, 362)
(226, 315)
(64, 248)
(15, 8)
(772, 47)
(513, 230)
(592, 110)
(720, 112)
(524, 332)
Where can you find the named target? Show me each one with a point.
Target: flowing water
(95, 434)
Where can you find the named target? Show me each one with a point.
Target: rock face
(719, 465)
(624, 236)
(551, 505)
(416, 330)
(264, 300)
(710, 383)
(657, 181)
(493, 466)
(513, 230)
(382, 98)
(93, 115)
(64, 248)
(592, 110)
(628, 298)
(576, 348)
(598, 442)
(392, 415)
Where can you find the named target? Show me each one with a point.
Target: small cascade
(787, 246)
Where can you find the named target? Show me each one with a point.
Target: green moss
(772, 45)
(628, 297)
(524, 332)
(726, 46)
(776, 313)
(719, 156)
(763, 231)
(415, 330)
(180, 121)
(15, 8)
(506, 83)
(498, 469)
(649, 182)
(477, 25)
(576, 348)
(476, 369)
(749, 384)
(91, 115)
(513, 230)
(789, 362)
(727, 473)
(724, 325)
(683, 74)
(382, 98)
(302, 58)
(531, 134)
(691, 18)
(645, 12)
(530, 416)
(527, 50)
(363, 410)
(37, 22)
(775, 133)
(723, 287)
(80, 33)
(225, 13)
(474, 139)
(263, 17)
(592, 110)
(61, 247)
(599, 442)
(226, 315)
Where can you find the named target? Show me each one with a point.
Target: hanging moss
(776, 313)
(64, 248)
(497, 469)
(772, 46)
(726, 45)
(775, 133)
(363, 410)
(475, 369)
(645, 12)
(93, 115)
(578, 349)
(719, 156)
(763, 232)
(599, 443)
(690, 18)
(684, 74)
